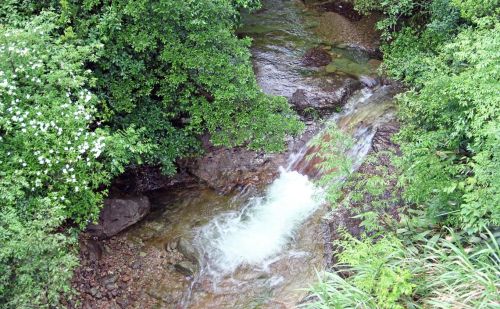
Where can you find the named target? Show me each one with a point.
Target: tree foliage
(178, 70)
(89, 87)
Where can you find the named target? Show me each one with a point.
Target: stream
(262, 247)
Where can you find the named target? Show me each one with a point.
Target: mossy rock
(331, 68)
(347, 66)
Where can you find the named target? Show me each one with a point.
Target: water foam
(262, 229)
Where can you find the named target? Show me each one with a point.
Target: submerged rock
(316, 57)
(348, 66)
(360, 34)
(119, 214)
(344, 8)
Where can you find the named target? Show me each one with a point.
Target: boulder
(226, 169)
(335, 95)
(119, 214)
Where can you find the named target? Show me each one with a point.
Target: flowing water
(261, 248)
(261, 229)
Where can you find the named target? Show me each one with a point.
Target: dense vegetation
(90, 87)
(441, 253)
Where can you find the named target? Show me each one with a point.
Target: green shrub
(446, 52)
(450, 135)
(52, 163)
(380, 275)
(431, 273)
(330, 159)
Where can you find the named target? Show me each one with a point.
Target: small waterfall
(269, 246)
(262, 228)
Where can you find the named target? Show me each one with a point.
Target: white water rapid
(262, 228)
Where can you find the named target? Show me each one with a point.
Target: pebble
(136, 265)
(109, 279)
(125, 278)
(122, 302)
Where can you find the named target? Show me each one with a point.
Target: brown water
(261, 248)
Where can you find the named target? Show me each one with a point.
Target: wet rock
(226, 169)
(374, 64)
(168, 267)
(119, 214)
(186, 268)
(349, 86)
(369, 81)
(316, 57)
(299, 99)
(159, 294)
(171, 246)
(340, 90)
(188, 250)
(382, 140)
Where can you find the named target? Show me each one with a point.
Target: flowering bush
(53, 159)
